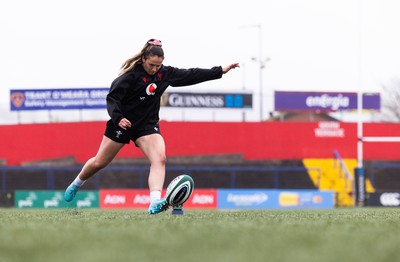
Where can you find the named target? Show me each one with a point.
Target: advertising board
(324, 101)
(384, 199)
(124, 198)
(202, 199)
(274, 199)
(54, 199)
(139, 199)
(50, 99)
(207, 100)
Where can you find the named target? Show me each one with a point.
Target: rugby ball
(179, 190)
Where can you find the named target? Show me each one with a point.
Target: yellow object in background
(287, 199)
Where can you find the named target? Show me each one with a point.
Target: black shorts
(120, 135)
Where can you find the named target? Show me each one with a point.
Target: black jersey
(136, 95)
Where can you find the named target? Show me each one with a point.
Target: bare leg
(106, 153)
(153, 147)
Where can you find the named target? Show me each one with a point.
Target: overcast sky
(309, 45)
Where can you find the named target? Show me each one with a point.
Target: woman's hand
(125, 124)
(229, 67)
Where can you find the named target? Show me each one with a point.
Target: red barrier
(256, 141)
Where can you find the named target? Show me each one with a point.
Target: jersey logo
(151, 89)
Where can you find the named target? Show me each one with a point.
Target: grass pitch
(361, 234)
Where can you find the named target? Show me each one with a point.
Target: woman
(133, 104)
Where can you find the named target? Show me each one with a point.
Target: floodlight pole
(359, 172)
(261, 63)
(261, 67)
(359, 130)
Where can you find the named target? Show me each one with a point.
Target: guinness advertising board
(207, 100)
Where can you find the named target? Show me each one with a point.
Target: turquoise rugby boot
(158, 206)
(70, 192)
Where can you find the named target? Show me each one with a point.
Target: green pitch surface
(361, 234)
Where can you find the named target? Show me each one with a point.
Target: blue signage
(246, 199)
(274, 199)
(327, 101)
(51, 99)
